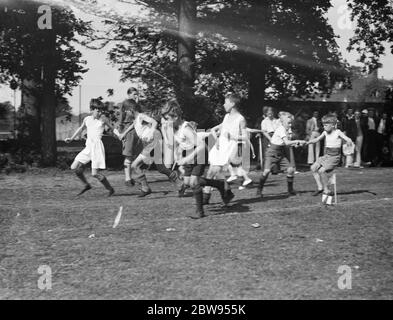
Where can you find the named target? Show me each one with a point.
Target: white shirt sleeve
(281, 132)
(263, 125)
(146, 118)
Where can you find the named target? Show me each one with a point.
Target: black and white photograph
(218, 151)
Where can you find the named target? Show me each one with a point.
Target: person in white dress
(228, 135)
(94, 151)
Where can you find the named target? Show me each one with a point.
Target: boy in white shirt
(332, 155)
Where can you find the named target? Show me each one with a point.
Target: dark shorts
(278, 155)
(194, 170)
(330, 160)
(132, 145)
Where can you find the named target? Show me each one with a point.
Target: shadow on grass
(137, 193)
(254, 185)
(241, 205)
(230, 209)
(356, 192)
(342, 193)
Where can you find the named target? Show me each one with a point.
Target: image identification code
(211, 309)
(198, 309)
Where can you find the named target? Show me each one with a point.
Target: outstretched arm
(253, 130)
(123, 134)
(295, 143)
(77, 132)
(312, 141)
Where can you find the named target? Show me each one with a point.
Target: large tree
(278, 48)
(43, 61)
(285, 46)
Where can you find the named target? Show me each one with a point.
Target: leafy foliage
(374, 28)
(22, 52)
(289, 42)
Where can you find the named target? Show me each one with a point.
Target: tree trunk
(259, 64)
(31, 112)
(186, 53)
(48, 111)
(256, 93)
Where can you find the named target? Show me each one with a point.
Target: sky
(102, 75)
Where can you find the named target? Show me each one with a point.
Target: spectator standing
(373, 153)
(390, 133)
(355, 129)
(349, 129)
(364, 121)
(268, 125)
(313, 130)
(382, 136)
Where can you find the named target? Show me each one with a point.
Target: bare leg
(232, 172)
(317, 178)
(325, 180)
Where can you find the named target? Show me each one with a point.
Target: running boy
(190, 148)
(146, 130)
(278, 153)
(332, 155)
(132, 145)
(94, 151)
(228, 135)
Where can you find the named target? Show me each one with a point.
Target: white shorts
(94, 151)
(148, 147)
(221, 156)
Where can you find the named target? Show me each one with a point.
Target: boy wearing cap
(332, 155)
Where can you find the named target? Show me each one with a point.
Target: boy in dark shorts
(279, 154)
(332, 155)
(132, 145)
(190, 153)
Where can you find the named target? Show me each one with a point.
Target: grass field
(156, 252)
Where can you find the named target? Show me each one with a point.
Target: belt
(333, 151)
